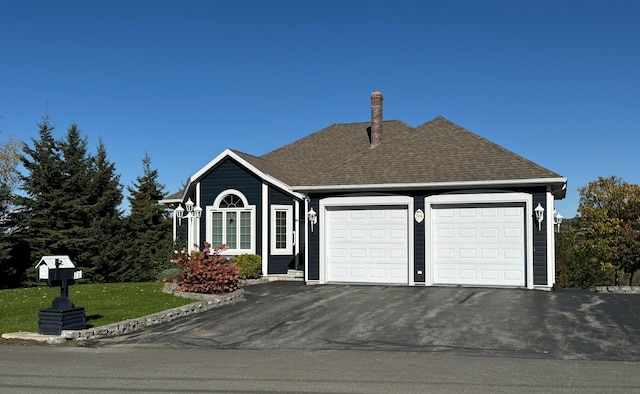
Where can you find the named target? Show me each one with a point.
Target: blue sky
(557, 82)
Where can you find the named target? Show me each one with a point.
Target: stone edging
(618, 289)
(207, 302)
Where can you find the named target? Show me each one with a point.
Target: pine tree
(149, 228)
(39, 231)
(74, 216)
(106, 231)
(71, 204)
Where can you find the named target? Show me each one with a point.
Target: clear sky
(557, 82)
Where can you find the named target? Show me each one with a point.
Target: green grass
(103, 303)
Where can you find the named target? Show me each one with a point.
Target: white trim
(551, 247)
(363, 202)
(174, 226)
(198, 220)
(492, 198)
(307, 236)
(288, 250)
(437, 185)
(224, 193)
(296, 232)
(265, 229)
(229, 153)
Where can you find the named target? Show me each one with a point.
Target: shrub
(250, 266)
(206, 274)
(169, 275)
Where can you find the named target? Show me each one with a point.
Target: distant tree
(576, 265)
(609, 213)
(9, 158)
(149, 228)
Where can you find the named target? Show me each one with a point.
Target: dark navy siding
(540, 242)
(419, 241)
(229, 175)
(314, 244)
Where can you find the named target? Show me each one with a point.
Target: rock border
(618, 289)
(206, 302)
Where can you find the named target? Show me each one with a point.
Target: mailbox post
(63, 314)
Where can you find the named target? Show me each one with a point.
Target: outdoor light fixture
(192, 211)
(313, 218)
(557, 219)
(539, 215)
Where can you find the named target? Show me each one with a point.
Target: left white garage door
(367, 245)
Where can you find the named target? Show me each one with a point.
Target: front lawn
(103, 303)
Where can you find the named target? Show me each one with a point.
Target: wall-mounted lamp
(557, 218)
(313, 218)
(539, 215)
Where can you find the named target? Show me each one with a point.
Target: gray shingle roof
(436, 151)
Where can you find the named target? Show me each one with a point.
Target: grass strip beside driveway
(104, 303)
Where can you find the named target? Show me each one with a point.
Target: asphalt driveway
(469, 321)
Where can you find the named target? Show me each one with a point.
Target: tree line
(67, 201)
(601, 246)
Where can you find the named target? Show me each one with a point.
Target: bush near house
(250, 266)
(205, 274)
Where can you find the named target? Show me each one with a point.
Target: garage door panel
(373, 245)
(478, 245)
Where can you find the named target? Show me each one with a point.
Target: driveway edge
(207, 302)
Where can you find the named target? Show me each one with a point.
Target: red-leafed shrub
(206, 274)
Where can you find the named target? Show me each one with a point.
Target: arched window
(231, 221)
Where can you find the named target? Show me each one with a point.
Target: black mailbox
(63, 315)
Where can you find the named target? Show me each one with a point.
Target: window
(230, 221)
(281, 229)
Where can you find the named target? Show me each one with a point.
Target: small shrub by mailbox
(63, 315)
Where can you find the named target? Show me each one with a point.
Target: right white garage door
(480, 245)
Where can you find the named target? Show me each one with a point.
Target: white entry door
(367, 245)
(478, 245)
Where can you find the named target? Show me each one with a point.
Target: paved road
(577, 325)
(45, 369)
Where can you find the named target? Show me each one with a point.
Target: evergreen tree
(70, 206)
(74, 216)
(40, 225)
(108, 246)
(149, 228)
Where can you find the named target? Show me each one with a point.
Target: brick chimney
(376, 118)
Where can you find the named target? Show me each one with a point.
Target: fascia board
(168, 201)
(436, 185)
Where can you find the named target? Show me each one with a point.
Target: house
(381, 202)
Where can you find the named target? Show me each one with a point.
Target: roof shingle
(436, 151)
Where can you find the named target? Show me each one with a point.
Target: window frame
(289, 230)
(215, 208)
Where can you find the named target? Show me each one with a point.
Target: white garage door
(368, 245)
(478, 245)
